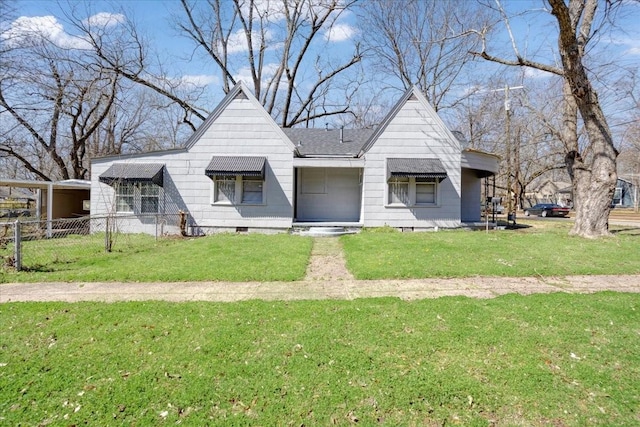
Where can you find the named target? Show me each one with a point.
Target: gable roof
(412, 93)
(239, 90)
(328, 142)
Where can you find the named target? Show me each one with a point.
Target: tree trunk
(594, 178)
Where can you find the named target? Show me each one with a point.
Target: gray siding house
(241, 171)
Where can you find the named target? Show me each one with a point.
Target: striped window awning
(133, 172)
(236, 165)
(416, 168)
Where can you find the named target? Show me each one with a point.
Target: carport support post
(17, 246)
(49, 209)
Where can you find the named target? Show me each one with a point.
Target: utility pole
(511, 214)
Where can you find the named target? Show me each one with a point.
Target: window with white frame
(426, 191)
(142, 197)
(225, 189)
(410, 191)
(125, 195)
(399, 190)
(238, 189)
(252, 190)
(149, 197)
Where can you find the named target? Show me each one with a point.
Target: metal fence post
(107, 246)
(17, 246)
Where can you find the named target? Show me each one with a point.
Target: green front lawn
(543, 249)
(139, 258)
(559, 359)
(540, 250)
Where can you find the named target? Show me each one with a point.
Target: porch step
(326, 231)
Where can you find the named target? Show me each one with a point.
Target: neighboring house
(625, 194)
(241, 171)
(549, 191)
(561, 193)
(15, 202)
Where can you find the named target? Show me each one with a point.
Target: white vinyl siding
(415, 131)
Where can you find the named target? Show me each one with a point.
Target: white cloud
(238, 41)
(339, 33)
(104, 19)
(30, 30)
(630, 45)
(533, 73)
(27, 30)
(273, 10)
(268, 71)
(199, 80)
(633, 46)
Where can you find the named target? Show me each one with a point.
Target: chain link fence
(33, 244)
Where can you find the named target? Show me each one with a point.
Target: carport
(61, 199)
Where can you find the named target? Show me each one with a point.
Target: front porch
(328, 197)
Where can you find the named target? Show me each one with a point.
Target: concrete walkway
(481, 287)
(327, 278)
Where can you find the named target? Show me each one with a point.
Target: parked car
(547, 209)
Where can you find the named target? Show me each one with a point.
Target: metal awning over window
(133, 172)
(416, 168)
(236, 165)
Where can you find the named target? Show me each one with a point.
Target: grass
(140, 258)
(532, 251)
(542, 248)
(534, 360)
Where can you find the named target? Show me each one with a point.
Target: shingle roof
(461, 138)
(236, 165)
(136, 172)
(417, 168)
(326, 142)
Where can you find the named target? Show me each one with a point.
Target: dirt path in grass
(327, 278)
(327, 261)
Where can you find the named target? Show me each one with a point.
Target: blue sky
(153, 19)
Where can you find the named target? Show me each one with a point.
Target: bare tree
(276, 44)
(123, 50)
(535, 145)
(60, 104)
(52, 106)
(424, 43)
(593, 168)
